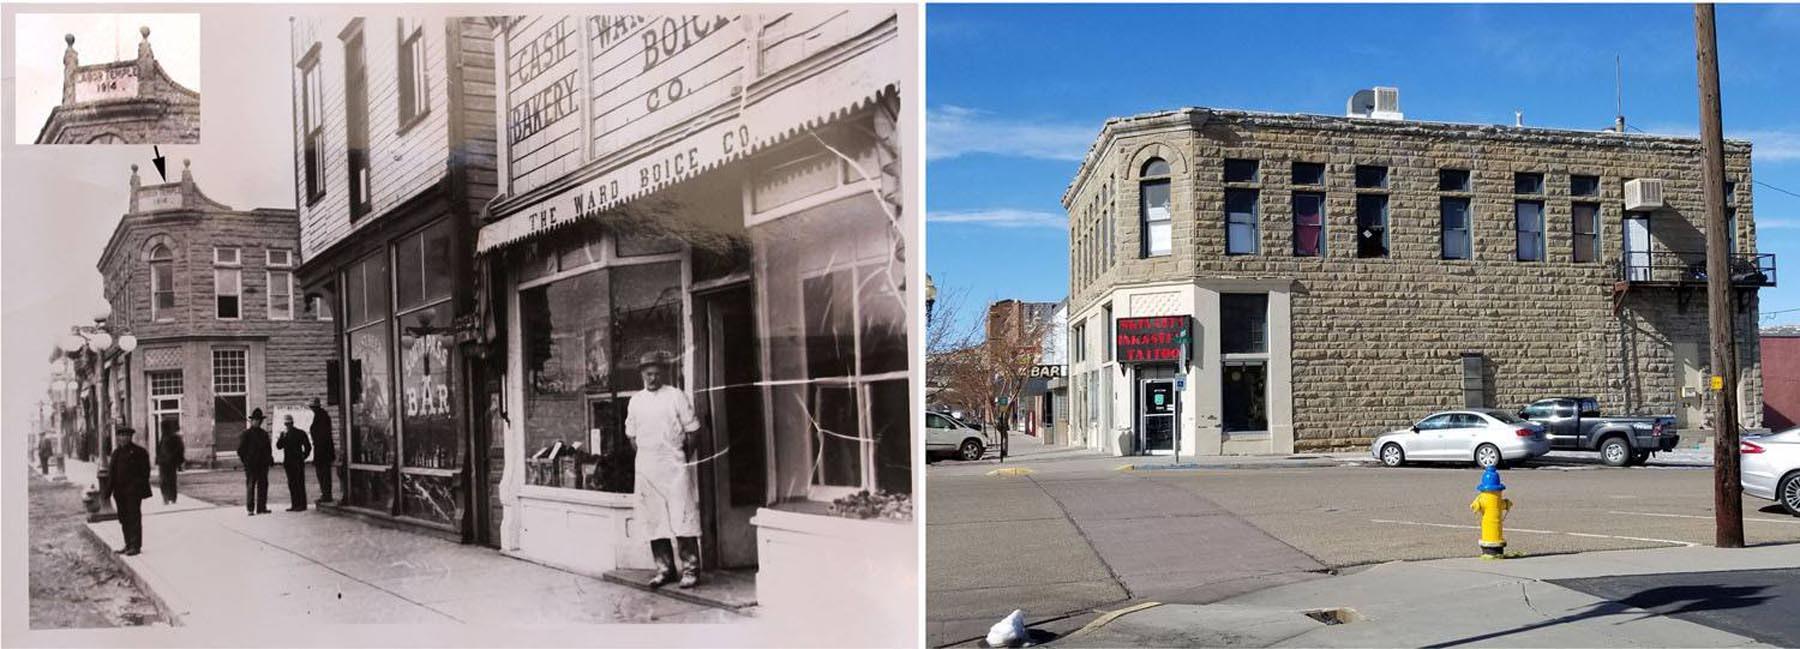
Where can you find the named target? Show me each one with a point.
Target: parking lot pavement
(1358, 515)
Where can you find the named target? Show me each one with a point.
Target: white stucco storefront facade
(1220, 412)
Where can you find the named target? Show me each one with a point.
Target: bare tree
(982, 365)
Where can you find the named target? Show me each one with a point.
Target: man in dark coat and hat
(294, 449)
(257, 455)
(324, 448)
(171, 453)
(129, 483)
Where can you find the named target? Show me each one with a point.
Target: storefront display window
(582, 335)
(371, 430)
(838, 326)
(431, 455)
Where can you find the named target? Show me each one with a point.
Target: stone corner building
(1344, 276)
(209, 292)
(121, 102)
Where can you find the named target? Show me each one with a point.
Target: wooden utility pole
(1728, 500)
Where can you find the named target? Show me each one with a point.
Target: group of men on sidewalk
(129, 468)
(256, 454)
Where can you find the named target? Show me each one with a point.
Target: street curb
(143, 584)
(1109, 616)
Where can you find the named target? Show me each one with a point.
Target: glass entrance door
(1156, 415)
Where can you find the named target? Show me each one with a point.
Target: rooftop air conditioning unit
(1375, 103)
(1643, 193)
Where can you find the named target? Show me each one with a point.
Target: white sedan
(945, 435)
(1770, 468)
(1485, 437)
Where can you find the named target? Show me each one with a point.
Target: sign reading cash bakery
(646, 76)
(1159, 339)
(110, 82)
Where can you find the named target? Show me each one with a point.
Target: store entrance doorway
(728, 401)
(1156, 407)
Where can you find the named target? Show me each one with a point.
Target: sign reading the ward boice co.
(115, 82)
(1158, 339)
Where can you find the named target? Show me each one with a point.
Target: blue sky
(1015, 93)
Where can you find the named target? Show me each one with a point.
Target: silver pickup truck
(1575, 424)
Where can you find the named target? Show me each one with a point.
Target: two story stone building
(121, 102)
(1247, 282)
(209, 293)
(394, 160)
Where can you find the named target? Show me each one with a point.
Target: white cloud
(1772, 146)
(1778, 224)
(1002, 218)
(1766, 145)
(954, 131)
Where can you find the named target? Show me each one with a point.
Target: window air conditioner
(1387, 100)
(1643, 194)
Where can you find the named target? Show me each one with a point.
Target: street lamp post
(94, 343)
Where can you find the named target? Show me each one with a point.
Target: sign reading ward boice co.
(112, 82)
(1159, 339)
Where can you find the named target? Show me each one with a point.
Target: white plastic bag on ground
(1009, 631)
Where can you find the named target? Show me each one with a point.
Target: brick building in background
(1344, 276)
(121, 102)
(209, 292)
(1026, 326)
(1781, 376)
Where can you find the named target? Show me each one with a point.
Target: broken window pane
(1371, 225)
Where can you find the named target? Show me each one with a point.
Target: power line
(1784, 191)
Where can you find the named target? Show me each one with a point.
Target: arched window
(162, 283)
(106, 138)
(1155, 228)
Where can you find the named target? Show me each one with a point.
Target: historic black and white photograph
(95, 78)
(484, 321)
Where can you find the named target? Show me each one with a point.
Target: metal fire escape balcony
(1685, 271)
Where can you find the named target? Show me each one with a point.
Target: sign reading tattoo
(1155, 339)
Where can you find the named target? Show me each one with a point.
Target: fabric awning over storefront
(761, 123)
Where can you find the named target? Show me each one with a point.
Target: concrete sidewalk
(216, 566)
(85, 475)
(1451, 602)
(1029, 452)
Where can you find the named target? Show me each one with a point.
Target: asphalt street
(1071, 536)
(1761, 604)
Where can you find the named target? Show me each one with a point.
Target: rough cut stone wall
(1377, 342)
(290, 353)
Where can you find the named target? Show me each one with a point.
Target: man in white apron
(661, 425)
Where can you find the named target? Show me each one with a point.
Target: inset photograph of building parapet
(102, 91)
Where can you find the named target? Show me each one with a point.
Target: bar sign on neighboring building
(1159, 339)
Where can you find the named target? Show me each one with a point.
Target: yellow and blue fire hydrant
(1492, 507)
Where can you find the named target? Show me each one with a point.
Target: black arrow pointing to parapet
(159, 163)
